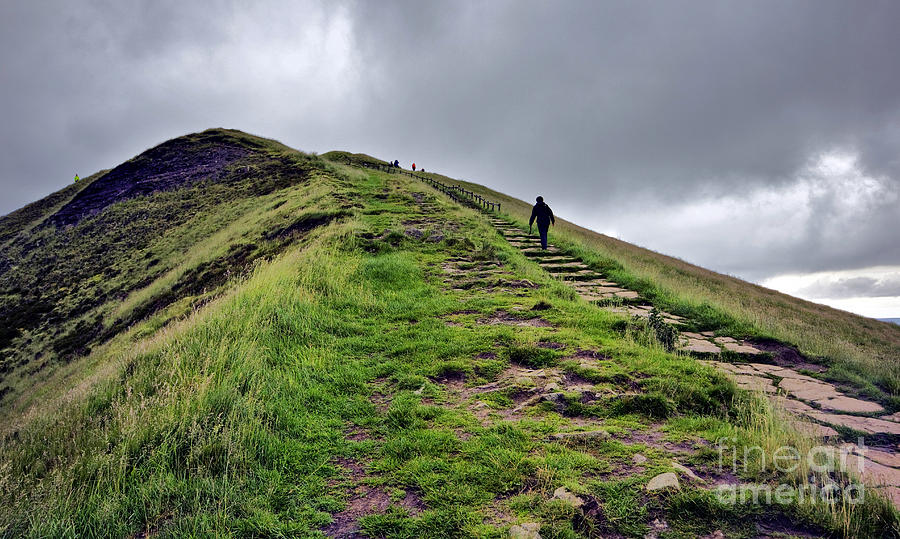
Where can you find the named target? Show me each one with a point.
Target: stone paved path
(817, 407)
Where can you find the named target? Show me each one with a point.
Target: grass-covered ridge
(372, 371)
(859, 351)
(71, 279)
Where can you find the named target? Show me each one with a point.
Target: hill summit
(225, 336)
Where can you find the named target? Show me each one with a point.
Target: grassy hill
(224, 336)
(859, 351)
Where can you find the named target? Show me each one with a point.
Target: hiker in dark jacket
(544, 216)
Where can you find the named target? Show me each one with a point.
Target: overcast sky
(760, 139)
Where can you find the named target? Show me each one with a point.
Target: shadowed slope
(186, 213)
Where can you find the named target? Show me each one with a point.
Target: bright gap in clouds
(782, 236)
(873, 292)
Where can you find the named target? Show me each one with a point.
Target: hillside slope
(170, 225)
(229, 337)
(859, 352)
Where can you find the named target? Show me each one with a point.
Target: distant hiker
(77, 178)
(414, 167)
(396, 164)
(544, 216)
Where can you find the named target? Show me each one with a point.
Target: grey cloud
(853, 287)
(612, 110)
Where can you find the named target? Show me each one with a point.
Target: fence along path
(455, 192)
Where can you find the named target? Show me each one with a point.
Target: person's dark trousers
(543, 231)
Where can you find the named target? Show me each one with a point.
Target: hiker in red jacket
(544, 216)
(414, 167)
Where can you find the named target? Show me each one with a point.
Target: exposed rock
(414, 233)
(769, 369)
(700, 346)
(792, 405)
(869, 425)
(739, 348)
(663, 481)
(753, 383)
(581, 435)
(559, 401)
(503, 317)
(883, 457)
(873, 473)
(714, 535)
(808, 389)
(849, 404)
(638, 459)
(656, 527)
(891, 493)
(559, 265)
(520, 283)
(563, 494)
(686, 471)
(814, 429)
(527, 530)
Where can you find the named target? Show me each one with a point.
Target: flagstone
(843, 403)
(627, 294)
(808, 390)
(869, 425)
(553, 264)
(813, 429)
(756, 383)
(767, 368)
(871, 472)
(793, 405)
(738, 348)
(701, 346)
(600, 289)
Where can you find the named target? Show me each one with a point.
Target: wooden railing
(455, 192)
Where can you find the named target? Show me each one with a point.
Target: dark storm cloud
(647, 96)
(86, 85)
(624, 110)
(695, 128)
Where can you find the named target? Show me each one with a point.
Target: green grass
(341, 361)
(859, 351)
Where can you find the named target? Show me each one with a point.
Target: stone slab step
(700, 346)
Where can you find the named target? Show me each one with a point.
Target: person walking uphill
(544, 216)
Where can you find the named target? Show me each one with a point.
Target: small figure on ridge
(544, 216)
